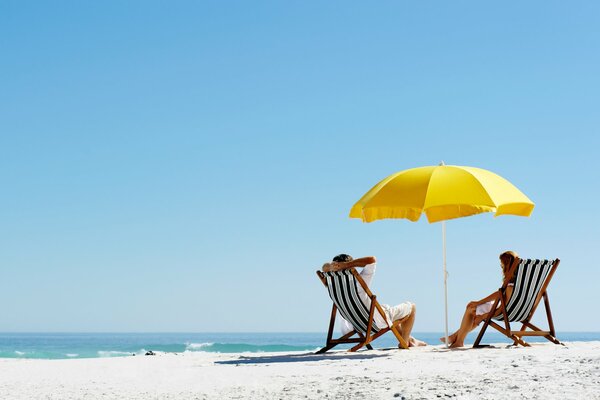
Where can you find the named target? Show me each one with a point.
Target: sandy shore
(544, 371)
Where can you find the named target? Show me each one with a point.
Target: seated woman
(478, 311)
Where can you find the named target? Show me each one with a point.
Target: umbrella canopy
(441, 192)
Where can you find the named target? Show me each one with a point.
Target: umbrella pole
(445, 280)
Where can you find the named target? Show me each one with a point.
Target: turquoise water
(93, 345)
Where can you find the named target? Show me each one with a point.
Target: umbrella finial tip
(442, 162)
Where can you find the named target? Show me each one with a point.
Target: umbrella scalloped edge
(369, 214)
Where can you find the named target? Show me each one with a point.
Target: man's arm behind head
(357, 263)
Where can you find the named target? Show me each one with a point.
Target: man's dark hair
(342, 258)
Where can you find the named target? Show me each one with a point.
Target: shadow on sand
(305, 357)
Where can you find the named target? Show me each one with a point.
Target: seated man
(392, 313)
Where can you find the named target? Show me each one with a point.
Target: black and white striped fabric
(343, 290)
(531, 275)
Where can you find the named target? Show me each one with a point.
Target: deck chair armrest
(322, 278)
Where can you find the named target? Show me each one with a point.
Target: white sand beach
(543, 371)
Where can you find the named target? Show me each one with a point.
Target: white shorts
(394, 313)
(484, 308)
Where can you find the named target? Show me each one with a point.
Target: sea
(95, 345)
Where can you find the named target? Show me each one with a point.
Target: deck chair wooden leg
(328, 344)
(550, 336)
(553, 339)
(363, 342)
(516, 340)
(331, 345)
(522, 329)
(508, 333)
(331, 326)
(520, 341)
(331, 323)
(371, 318)
(504, 313)
(550, 321)
(367, 337)
(358, 346)
(481, 333)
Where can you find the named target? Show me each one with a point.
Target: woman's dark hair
(506, 259)
(342, 258)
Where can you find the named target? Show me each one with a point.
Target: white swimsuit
(487, 307)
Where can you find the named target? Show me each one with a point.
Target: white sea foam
(197, 346)
(71, 354)
(19, 353)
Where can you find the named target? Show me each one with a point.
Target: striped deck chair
(343, 290)
(531, 279)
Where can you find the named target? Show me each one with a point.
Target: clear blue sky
(187, 166)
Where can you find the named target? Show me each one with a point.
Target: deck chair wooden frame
(366, 337)
(501, 304)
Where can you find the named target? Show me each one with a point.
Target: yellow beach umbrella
(441, 192)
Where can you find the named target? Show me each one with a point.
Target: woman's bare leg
(407, 325)
(467, 325)
(414, 342)
(451, 338)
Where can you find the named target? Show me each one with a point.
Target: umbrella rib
(477, 181)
